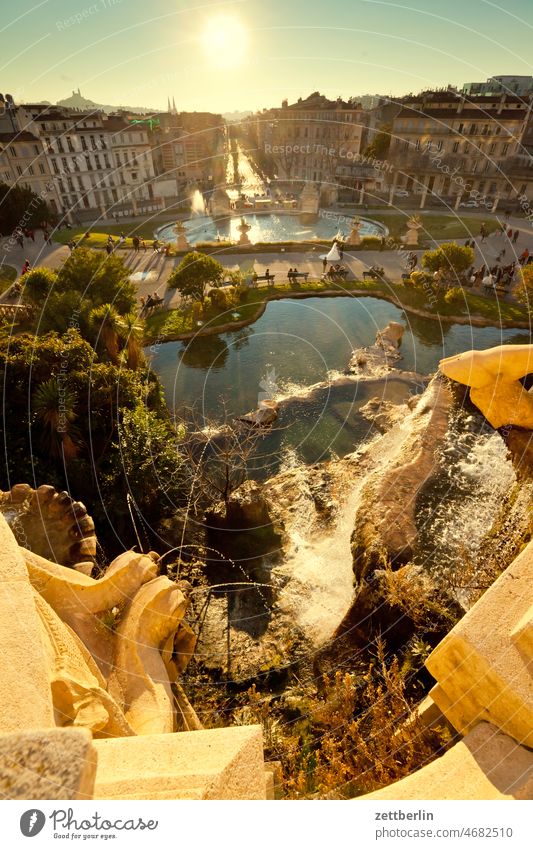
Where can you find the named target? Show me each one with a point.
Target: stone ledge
(56, 764)
(486, 764)
(222, 763)
(483, 666)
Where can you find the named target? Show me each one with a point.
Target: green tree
(195, 274)
(132, 333)
(106, 325)
(54, 410)
(450, 259)
(22, 208)
(380, 144)
(38, 284)
(100, 279)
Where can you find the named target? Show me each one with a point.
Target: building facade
(96, 163)
(454, 148)
(314, 140)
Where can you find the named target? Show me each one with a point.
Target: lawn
(437, 227)
(144, 229)
(7, 275)
(172, 323)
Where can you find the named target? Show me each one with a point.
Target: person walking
(483, 231)
(324, 265)
(516, 234)
(25, 268)
(524, 256)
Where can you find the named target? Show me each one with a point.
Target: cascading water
(460, 506)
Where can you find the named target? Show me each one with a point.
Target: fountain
(197, 203)
(243, 229)
(182, 244)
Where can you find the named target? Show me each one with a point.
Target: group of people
(335, 271)
(292, 274)
(28, 233)
(149, 303)
(497, 276)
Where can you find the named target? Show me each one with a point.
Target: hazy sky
(249, 54)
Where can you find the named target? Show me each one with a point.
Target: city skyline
(249, 55)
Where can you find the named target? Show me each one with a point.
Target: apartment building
(188, 148)
(23, 161)
(313, 140)
(95, 162)
(505, 84)
(453, 147)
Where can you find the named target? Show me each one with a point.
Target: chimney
(501, 104)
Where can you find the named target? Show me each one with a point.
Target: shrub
(419, 278)
(455, 295)
(372, 242)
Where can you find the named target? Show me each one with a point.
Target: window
(30, 169)
(60, 146)
(83, 143)
(19, 170)
(417, 144)
(42, 168)
(505, 149)
(97, 161)
(36, 150)
(64, 164)
(88, 162)
(13, 152)
(492, 148)
(93, 143)
(455, 147)
(70, 145)
(55, 166)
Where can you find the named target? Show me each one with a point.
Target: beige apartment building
(455, 148)
(313, 140)
(23, 161)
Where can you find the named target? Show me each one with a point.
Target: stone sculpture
(182, 243)
(111, 679)
(51, 524)
(244, 229)
(413, 226)
(494, 380)
(355, 237)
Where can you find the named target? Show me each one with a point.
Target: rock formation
(494, 379)
(378, 359)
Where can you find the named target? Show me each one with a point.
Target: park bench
(259, 279)
(295, 275)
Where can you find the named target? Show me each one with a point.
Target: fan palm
(105, 322)
(132, 332)
(54, 410)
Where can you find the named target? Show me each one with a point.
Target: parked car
(402, 193)
(470, 204)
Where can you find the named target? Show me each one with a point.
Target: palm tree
(106, 324)
(132, 333)
(54, 410)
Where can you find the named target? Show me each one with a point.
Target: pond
(268, 227)
(299, 343)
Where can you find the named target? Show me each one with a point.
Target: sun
(225, 41)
